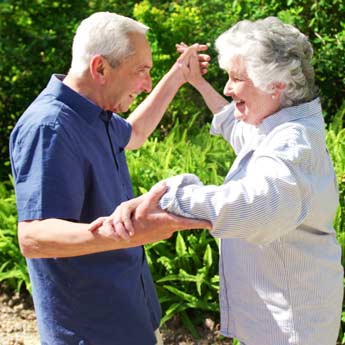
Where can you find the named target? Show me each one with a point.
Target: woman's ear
(97, 68)
(277, 89)
(279, 86)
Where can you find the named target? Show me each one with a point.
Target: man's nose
(147, 85)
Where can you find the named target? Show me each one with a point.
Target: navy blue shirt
(64, 167)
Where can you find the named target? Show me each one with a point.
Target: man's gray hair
(272, 52)
(106, 34)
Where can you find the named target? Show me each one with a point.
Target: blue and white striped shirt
(281, 279)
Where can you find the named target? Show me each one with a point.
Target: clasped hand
(143, 218)
(191, 63)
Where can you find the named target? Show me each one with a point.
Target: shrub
(36, 36)
(13, 269)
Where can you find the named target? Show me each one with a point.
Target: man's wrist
(176, 77)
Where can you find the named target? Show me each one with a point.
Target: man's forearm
(50, 238)
(148, 114)
(57, 238)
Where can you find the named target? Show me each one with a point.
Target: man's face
(130, 78)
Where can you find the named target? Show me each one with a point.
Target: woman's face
(252, 105)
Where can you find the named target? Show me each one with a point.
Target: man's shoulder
(44, 111)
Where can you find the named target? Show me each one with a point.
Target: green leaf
(181, 248)
(183, 295)
(189, 325)
(174, 309)
(208, 261)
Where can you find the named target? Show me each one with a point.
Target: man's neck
(83, 85)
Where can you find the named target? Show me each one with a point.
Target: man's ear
(97, 68)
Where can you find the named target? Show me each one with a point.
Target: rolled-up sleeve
(232, 130)
(49, 176)
(223, 122)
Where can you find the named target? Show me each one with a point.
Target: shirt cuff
(170, 200)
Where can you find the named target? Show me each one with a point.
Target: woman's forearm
(213, 99)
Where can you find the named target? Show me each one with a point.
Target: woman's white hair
(273, 52)
(106, 34)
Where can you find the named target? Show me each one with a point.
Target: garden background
(35, 41)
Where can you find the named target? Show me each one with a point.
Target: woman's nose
(228, 88)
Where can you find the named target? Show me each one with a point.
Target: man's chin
(119, 110)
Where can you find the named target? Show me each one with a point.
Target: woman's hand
(188, 64)
(204, 59)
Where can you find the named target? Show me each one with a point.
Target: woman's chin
(239, 115)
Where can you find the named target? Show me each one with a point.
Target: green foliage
(13, 268)
(36, 37)
(185, 267)
(185, 276)
(176, 154)
(35, 41)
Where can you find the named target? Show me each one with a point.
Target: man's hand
(203, 59)
(119, 223)
(194, 65)
(182, 67)
(149, 214)
(142, 221)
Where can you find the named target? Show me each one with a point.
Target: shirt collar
(85, 108)
(289, 114)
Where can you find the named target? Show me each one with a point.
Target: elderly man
(69, 167)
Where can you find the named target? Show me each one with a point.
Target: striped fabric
(281, 279)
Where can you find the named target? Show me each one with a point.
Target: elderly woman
(281, 279)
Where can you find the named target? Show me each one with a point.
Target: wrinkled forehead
(140, 48)
(236, 64)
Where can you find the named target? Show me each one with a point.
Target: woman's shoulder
(291, 139)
